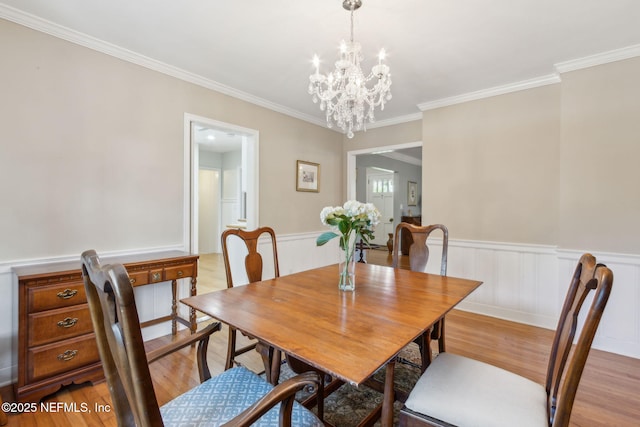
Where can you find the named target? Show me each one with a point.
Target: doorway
(405, 161)
(380, 191)
(226, 199)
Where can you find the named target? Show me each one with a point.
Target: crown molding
(494, 91)
(599, 59)
(76, 37)
(560, 68)
(48, 27)
(395, 120)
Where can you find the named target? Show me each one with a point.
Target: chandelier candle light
(352, 221)
(343, 93)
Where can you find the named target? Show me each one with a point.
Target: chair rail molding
(522, 283)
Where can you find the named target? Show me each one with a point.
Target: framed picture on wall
(307, 176)
(412, 193)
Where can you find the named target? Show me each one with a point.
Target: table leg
(271, 359)
(389, 395)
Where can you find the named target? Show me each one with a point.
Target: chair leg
(231, 349)
(438, 334)
(424, 344)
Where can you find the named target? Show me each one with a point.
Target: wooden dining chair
(3, 415)
(237, 397)
(418, 259)
(253, 266)
(459, 391)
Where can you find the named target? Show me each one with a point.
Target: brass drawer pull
(67, 355)
(132, 281)
(180, 274)
(68, 322)
(67, 293)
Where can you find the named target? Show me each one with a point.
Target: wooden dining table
(347, 334)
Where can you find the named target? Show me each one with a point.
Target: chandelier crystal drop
(345, 93)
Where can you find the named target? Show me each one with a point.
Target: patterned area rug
(348, 405)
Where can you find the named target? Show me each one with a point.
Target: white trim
(5, 267)
(599, 59)
(604, 257)
(395, 121)
(504, 246)
(490, 92)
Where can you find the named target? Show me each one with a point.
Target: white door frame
(351, 162)
(191, 167)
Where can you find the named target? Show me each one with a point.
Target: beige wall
(555, 165)
(82, 133)
(489, 166)
(600, 155)
(91, 152)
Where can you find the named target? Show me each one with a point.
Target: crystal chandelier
(343, 93)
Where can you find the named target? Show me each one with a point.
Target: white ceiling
(439, 51)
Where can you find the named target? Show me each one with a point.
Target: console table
(56, 343)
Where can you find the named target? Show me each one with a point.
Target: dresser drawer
(48, 360)
(178, 272)
(56, 325)
(139, 278)
(42, 298)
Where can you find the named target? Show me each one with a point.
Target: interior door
(380, 192)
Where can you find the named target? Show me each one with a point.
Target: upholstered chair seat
(467, 392)
(224, 396)
(459, 391)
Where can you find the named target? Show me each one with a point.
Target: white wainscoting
(528, 284)
(8, 326)
(523, 283)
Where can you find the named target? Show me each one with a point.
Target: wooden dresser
(56, 343)
(405, 238)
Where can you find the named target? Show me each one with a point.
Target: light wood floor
(609, 394)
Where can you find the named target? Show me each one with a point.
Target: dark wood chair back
(253, 266)
(126, 365)
(253, 262)
(419, 250)
(564, 371)
(120, 344)
(418, 259)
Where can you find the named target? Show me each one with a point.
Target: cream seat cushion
(465, 392)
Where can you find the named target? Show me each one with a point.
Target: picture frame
(307, 176)
(412, 193)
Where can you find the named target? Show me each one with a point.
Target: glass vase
(347, 268)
